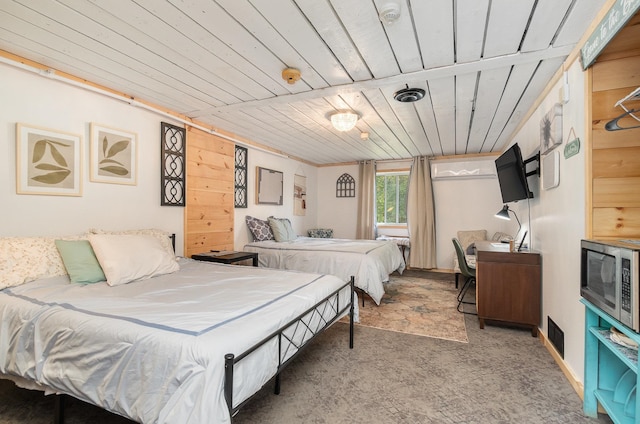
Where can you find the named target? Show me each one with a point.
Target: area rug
(417, 305)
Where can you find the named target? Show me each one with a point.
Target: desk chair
(469, 274)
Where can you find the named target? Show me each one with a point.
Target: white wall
(339, 213)
(558, 220)
(289, 168)
(40, 101)
(466, 204)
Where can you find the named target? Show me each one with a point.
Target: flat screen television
(512, 175)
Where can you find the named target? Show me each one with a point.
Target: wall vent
(556, 336)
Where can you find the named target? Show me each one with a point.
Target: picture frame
(114, 154)
(299, 195)
(48, 161)
(551, 129)
(269, 186)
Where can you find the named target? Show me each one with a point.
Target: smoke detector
(408, 95)
(389, 12)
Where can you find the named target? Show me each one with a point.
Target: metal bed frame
(286, 343)
(286, 336)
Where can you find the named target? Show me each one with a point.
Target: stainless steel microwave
(609, 278)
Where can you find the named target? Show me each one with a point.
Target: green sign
(572, 148)
(613, 21)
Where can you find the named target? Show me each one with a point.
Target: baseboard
(573, 379)
(570, 376)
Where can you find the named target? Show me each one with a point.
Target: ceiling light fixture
(408, 95)
(344, 120)
(389, 12)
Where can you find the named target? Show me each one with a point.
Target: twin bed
(189, 346)
(370, 261)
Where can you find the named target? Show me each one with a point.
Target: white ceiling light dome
(389, 12)
(344, 120)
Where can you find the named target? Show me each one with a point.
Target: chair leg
(462, 293)
(457, 275)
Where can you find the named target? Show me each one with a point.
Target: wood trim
(588, 145)
(570, 376)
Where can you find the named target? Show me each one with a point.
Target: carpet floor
(502, 375)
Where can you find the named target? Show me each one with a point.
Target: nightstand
(226, 257)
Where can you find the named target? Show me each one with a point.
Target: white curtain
(421, 216)
(366, 225)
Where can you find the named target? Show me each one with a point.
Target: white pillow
(125, 257)
(163, 236)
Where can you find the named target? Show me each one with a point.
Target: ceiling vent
(408, 95)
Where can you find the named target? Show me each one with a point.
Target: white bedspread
(370, 261)
(154, 350)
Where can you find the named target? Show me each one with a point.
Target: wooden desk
(508, 285)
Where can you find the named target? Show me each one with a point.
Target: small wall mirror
(268, 186)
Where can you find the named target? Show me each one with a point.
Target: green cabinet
(610, 369)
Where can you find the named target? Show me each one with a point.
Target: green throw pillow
(80, 261)
(282, 229)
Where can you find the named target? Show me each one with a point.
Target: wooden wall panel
(616, 222)
(618, 73)
(209, 214)
(617, 162)
(613, 158)
(616, 192)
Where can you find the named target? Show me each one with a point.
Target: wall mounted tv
(512, 175)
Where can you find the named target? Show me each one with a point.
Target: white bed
(153, 350)
(370, 261)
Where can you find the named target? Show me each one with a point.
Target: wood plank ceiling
(482, 64)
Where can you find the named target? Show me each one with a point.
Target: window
(391, 197)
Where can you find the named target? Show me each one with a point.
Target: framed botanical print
(113, 155)
(48, 161)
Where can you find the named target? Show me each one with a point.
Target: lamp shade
(344, 120)
(503, 213)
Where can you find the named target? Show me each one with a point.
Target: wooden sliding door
(209, 213)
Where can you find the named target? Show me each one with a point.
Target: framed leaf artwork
(48, 161)
(113, 155)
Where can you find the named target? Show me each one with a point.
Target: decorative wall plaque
(240, 186)
(173, 168)
(346, 186)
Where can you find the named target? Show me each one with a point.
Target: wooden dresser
(508, 285)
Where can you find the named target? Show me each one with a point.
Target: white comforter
(370, 261)
(154, 350)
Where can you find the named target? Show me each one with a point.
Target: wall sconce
(344, 120)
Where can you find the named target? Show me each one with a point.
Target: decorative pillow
(498, 236)
(126, 257)
(24, 259)
(261, 230)
(320, 233)
(471, 236)
(282, 229)
(163, 236)
(80, 261)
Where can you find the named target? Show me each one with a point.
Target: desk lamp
(504, 214)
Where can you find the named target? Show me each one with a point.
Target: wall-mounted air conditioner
(456, 168)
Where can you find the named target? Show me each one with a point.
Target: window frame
(389, 173)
